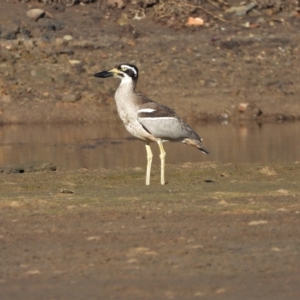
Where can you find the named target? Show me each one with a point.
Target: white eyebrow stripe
(158, 118)
(131, 68)
(146, 110)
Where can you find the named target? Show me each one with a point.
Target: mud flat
(214, 231)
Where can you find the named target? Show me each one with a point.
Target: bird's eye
(123, 68)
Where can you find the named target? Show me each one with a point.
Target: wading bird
(147, 120)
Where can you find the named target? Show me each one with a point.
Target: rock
(66, 191)
(254, 13)
(268, 12)
(123, 20)
(116, 3)
(35, 13)
(71, 97)
(68, 38)
(74, 62)
(210, 83)
(248, 110)
(241, 10)
(36, 166)
(195, 22)
(60, 42)
(242, 106)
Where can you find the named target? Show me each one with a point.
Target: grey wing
(162, 122)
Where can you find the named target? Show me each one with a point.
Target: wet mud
(214, 231)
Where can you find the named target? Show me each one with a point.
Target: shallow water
(95, 146)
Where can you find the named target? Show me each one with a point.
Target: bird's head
(126, 72)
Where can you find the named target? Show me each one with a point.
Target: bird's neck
(128, 83)
(126, 88)
(125, 99)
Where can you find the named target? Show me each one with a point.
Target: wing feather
(162, 122)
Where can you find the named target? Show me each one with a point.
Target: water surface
(95, 146)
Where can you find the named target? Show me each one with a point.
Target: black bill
(104, 74)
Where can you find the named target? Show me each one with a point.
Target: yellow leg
(162, 163)
(149, 162)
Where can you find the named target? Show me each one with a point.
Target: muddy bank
(223, 71)
(215, 231)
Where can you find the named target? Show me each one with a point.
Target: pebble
(195, 21)
(66, 191)
(71, 97)
(35, 13)
(259, 222)
(74, 62)
(60, 41)
(68, 38)
(242, 106)
(241, 10)
(123, 20)
(210, 83)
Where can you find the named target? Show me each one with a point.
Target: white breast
(128, 110)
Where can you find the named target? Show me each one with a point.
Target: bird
(148, 120)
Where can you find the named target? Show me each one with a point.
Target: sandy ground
(214, 231)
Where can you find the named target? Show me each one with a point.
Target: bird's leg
(162, 163)
(149, 162)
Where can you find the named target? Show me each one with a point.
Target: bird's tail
(195, 143)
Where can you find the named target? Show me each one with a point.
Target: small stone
(131, 43)
(246, 25)
(211, 83)
(268, 11)
(70, 97)
(60, 42)
(68, 38)
(74, 62)
(33, 73)
(260, 222)
(241, 10)
(123, 20)
(195, 21)
(66, 191)
(116, 3)
(35, 14)
(254, 13)
(242, 107)
(223, 202)
(93, 238)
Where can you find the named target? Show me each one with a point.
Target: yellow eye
(123, 68)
